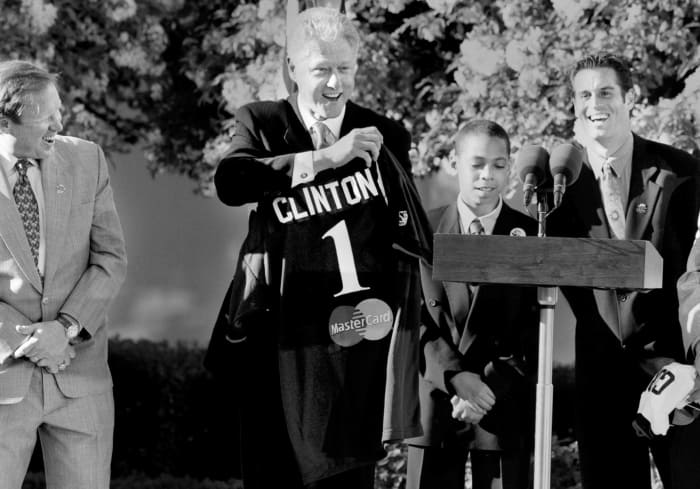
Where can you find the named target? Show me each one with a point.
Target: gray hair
(320, 24)
(19, 79)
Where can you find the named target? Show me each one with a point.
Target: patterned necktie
(611, 187)
(321, 135)
(27, 207)
(475, 227)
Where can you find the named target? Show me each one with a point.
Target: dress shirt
(303, 171)
(620, 161)
(466, 216)
(34, 176)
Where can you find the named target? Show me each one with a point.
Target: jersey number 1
(346, 261)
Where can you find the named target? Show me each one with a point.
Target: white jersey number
(346, 260)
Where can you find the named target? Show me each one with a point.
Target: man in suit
(629, 188)
(63, 261)
(325, 300)
(471, 329)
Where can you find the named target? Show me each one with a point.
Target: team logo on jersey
(371, 319)
(403, 218)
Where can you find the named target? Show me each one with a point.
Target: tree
(169, 74)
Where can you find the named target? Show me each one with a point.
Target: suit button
(432, 303)
(622, 297)
(45, 300)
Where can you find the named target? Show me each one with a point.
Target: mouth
(49, 139)
(598, 118)
(485, 189)
(332, 97)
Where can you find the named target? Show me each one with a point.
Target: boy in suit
(474, 337)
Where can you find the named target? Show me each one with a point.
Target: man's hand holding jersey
(363, 142)
(478, 397)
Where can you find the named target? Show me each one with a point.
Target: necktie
(321, 135)
(611, 188)
(27, 207)
(475, 227)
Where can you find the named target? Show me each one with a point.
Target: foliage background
(169, 74)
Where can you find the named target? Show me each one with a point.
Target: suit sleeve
(250, 170)
(689, 300)
(106, 268)
(438, 355)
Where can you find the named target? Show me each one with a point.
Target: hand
(363, 142)
(466, 411)
(45, 340)
(470, 387)
(57, 364)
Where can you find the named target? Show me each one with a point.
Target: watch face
(72, 331)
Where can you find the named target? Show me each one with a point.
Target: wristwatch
(72, 329)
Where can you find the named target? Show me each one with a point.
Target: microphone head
(566, 159)
(532, 158)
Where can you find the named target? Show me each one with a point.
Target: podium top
(548, 261)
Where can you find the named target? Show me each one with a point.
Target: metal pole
(547, 298)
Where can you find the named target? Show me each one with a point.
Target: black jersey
(336, 315)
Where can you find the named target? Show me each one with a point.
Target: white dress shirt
(34, 175)
(466, 216)
(303, 171)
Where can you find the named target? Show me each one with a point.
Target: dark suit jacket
(267, 137)
(664, 198)
(458, 335)
(257, 169)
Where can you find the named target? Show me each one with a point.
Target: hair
(483, 127)
(605, 60)
(320, 24)
(18, 79)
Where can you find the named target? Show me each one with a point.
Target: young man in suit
(472, 332)
(629, 188)
(63, 259)
(326, 297)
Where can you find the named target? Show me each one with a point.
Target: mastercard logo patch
(371, 319)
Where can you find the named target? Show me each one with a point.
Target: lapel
(457, 292)
(589, 202)
(56, 180)
(296, 134)
(15, 239)
(644, 190)
(484, 298)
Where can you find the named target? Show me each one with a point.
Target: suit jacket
(664, 198)
(258, 168)
(85, 266)
(460, 334)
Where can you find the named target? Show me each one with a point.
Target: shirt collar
(488, 221)
(333, 124)
(619, 158)
(8, 162)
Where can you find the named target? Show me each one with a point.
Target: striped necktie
(611, 188)
(321, 135)
(475, 227)
(27, 207)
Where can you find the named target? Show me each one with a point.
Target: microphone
(565, 166)
(531, 166)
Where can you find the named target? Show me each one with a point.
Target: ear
(4, 124)
(631, 96)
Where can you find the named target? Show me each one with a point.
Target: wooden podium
(546, 262)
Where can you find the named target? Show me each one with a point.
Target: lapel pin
(60, 188)
(642, 209)
(517, 232)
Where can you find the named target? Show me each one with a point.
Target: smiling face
(483, 165)
(34, 135)
(325, 75)
(601, 107)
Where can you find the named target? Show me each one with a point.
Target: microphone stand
(547, 299)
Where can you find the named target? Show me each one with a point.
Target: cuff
(83, 334)
(448, 384)
(303, 170)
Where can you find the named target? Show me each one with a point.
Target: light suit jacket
(85, 266)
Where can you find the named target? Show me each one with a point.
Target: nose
(486, 172)
(334, 79)
(56, 124)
